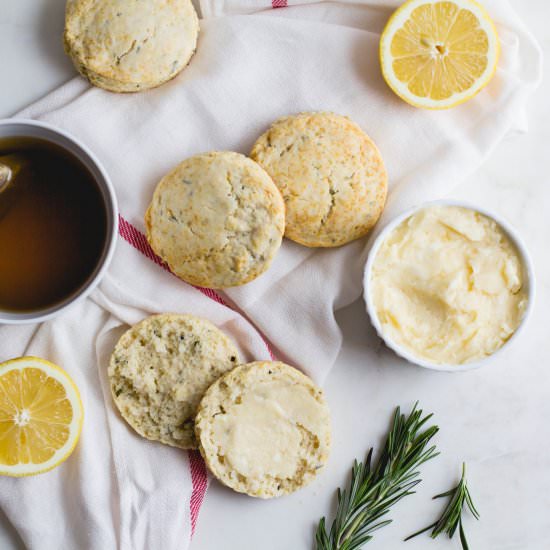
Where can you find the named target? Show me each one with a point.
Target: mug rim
(405, 352)
(85, 155)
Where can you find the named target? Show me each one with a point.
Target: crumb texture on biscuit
(217, 219)
(129, 45)
(330, 173)
(160, 369)
(264, 429)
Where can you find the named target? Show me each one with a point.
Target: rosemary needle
(374, 489)
(452, 515)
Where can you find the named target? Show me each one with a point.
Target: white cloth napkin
(118, 490)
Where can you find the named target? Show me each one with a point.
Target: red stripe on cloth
(138, 240)
(199, 478)
(279, 3)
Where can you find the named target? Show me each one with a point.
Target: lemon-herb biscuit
(217, 219)
(331, 176)
(160, 369)
(128, 46)
(264, 429)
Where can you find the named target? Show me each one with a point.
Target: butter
(447, 284)
(263, 435)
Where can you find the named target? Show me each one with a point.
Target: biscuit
(264, 429)
(330, 174)
(160, 369)
(128, 46)
(217, 219)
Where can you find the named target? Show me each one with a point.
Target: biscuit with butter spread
(128, 46)
(160, 369)
(330, 174)
(264, 429)
(217, 219)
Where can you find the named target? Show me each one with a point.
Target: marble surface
(496, 418)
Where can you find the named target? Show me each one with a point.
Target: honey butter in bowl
(448, 285)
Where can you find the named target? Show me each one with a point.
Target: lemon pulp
(438, 54)
(40, 416)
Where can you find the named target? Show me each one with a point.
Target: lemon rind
(403, 12)
(75, 427)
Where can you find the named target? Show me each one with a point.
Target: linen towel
(253, 64)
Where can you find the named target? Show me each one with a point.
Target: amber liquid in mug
(53, 226)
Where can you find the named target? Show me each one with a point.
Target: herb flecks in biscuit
(128, 46)
(330, 174)
(160, 369)
(217, 219)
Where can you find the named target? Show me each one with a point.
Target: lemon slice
(40, 416)
(438, 54)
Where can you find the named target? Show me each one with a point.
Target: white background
(496, 418)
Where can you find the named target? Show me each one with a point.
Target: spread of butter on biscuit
(448, 285)
(269, 430)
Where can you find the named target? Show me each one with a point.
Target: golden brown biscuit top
(131, 42)
(217, 219)
(330, 174)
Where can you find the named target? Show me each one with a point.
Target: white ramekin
(528, 272)
(30, 128)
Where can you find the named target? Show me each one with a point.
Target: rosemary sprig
(452, 515)
(373, 490)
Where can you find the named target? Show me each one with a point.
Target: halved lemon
(40, 416)
(438, 54)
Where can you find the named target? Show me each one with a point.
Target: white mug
(10, 128)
